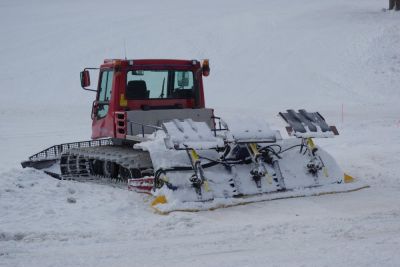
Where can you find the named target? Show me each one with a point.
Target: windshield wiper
(162, 91)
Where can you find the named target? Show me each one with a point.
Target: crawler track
(114, 162)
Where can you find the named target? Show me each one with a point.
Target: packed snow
(341, 58)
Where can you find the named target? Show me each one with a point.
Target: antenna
(125, 48)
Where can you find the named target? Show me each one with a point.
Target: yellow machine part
(311, 146)
(194, 155)
(123, 102)
(348, 179)
(254, 150)
(195, 158)
(310, 143)
(159, 200)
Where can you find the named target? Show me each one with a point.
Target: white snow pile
(340, 58)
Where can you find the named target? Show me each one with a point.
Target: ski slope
(341, 58)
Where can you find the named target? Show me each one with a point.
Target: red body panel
(106, 127)
(141, 185)
(103, 127)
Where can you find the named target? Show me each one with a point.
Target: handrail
(55, 151)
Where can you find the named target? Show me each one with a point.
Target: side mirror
(85, 78)
(205, 67)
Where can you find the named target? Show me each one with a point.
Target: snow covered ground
(266, 56)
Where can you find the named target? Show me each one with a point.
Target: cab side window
(183, 84)
(104, 94)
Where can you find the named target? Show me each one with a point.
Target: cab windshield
(156, 84)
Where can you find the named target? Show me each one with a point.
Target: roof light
(205, 67)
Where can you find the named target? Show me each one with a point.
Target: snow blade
(196, 170)
(164, 208)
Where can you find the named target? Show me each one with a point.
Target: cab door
(103, 124)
